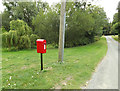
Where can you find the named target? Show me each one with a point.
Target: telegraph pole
(62, 31)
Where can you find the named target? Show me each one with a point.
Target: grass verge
(21, 69)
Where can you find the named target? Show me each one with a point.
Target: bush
(96, 38)
(9, 39)
(24, 42)
(33, 38)
(19, 37)
(21, 27)
(5, 39)
(13, 38)
(2, 29)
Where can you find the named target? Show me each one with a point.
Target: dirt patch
(7, 71)
(24, 67)
(64, 82)
(48, 68)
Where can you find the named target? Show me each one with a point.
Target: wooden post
(62, 31)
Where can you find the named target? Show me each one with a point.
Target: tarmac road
(106, 74)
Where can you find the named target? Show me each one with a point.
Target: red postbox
(41, 46)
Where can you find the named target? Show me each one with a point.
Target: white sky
(108, 5)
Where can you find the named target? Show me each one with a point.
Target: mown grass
(21, 69)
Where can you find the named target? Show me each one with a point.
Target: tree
(7, 15)
(79, 30)
(0, 20)
(115, 18)
(119, 19)
(115, 28)
(47, 26)
(22, 10)
(100, 18)
(25, 11)
(19, 35)
(6, 20)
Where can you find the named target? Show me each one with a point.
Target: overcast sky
(108, 5)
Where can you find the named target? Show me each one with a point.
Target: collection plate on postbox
(41, 45)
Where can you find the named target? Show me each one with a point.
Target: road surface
(106, 74)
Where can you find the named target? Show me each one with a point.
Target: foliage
(107, 29)
(79, 29)
(20, 36)
(33, 38)
(119, 19)
(115, 28)
(5, 40)
(25, 42)
(47, 26)
(2, 29)
(84, 21)
(21, 27)
(25, 11)
(22, 10)
(6, 20)
(116, 38)
(115, 18)
(13, 38)
(9, 39)
(100, 18)
(82, 24)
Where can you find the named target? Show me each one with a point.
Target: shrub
(21, 27)
(24, 42)
(96, 38)
(19, 37)
(2, 29)
(33, 38)
(13, 38)
(6, 39)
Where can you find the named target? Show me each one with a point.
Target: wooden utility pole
(62, 31)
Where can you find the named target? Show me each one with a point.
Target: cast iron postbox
(41, 46)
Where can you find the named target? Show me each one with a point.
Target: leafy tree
(6, 20)
(2, 29)
(21, 27)
(115, 28)
(5, 40)
(83, 23)
(24, 42)
(119, 19)
(25, 11)
(107, 29)
(7, 15)
(18, 36)
(79, 29)
(33, 38)
(115, 18)
(47, 26)
(0, 20)
(100, 18)
(22, 10)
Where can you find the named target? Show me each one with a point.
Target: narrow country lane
(106, 74)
